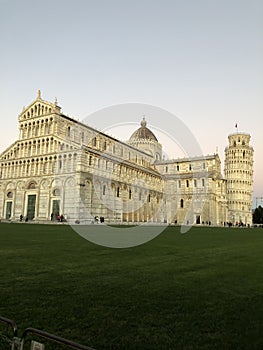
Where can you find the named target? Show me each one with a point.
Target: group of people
(237, 224)
(57, 217)
(98, 219)
(21, 218)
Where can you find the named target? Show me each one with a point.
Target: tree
(258, 215)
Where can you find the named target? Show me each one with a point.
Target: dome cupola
(144, 139)
(143, 133)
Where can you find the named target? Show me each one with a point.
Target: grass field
(200, 290)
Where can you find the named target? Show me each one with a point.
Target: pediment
(38, 108)
(9, 152)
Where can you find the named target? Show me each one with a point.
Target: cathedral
(62, 167)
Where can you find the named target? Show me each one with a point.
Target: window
(32, 186)
(130, 194)
(166, 169)
(104, 190)
(118, 192)
(203, 182)
(181, 203)
(68, 134)
(177, 168)
(56, 192)
(187, 183)
(195, 183)
(179, 183)
(190, 166)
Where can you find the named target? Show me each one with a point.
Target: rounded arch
(70, 181)
(31, 185)
(10, 186)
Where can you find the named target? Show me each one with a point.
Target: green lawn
(199, 290)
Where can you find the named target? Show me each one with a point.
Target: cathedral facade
(62, 166)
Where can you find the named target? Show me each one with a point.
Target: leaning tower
(239, 176)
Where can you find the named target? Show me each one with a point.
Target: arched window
(130, 194)
(56, 192)
(118, 192)
(68, 133)
(181, 203)
(32, 186)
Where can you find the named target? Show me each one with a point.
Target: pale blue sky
(200, 60)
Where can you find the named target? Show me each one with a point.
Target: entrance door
(198, 221)
(8, 211)
(56, 207)
(31, 205)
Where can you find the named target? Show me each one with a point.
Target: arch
(31, 185)
(9, 194)
(56, 183)
(10, 186)
(69, 182)
(56, 192)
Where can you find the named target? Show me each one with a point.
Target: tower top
(239, 139)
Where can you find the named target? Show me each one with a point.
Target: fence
(33, 339)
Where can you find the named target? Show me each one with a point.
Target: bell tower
(239, 176)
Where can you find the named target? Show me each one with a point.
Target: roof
(143, 133)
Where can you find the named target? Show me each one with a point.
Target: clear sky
(201, 60)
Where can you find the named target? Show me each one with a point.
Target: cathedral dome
(143, 133)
